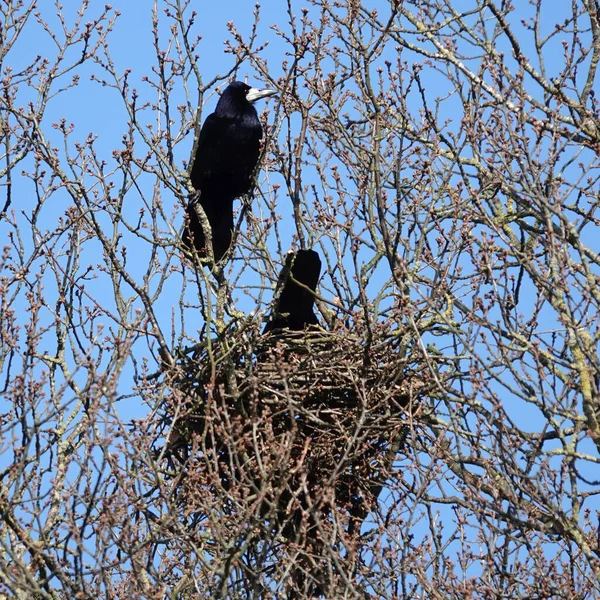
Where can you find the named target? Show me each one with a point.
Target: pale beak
(255, 94)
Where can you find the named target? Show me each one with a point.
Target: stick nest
(297, 424)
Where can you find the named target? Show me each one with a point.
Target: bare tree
(438, 437)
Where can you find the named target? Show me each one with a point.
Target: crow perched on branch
(294, 307)
(223, 166)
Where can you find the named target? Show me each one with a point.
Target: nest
(294, 432)
(300, 419)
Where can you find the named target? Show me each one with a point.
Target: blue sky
(97, 109)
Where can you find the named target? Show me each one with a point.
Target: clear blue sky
(94, 109)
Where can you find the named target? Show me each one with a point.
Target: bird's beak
(255, 94)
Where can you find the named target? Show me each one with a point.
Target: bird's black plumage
(222, 168)
(294, 307)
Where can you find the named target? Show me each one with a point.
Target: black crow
(222, 168)
(294, 307)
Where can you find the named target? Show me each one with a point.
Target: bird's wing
(226, 156)
(210, 150)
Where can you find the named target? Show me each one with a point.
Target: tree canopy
(438, 437)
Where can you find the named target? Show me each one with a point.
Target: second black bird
(294, 307)
(223, 166)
